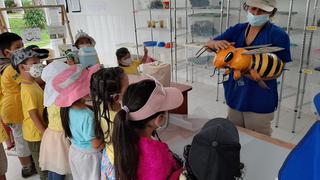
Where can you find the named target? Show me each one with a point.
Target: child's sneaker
(28, 171)
(11, 151)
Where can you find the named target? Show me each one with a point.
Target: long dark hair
(104, 84)
(65, 120)
(125, 137)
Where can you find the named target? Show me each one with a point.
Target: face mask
(36, 70)
(257, 20)
(127, 62)
(85, 45)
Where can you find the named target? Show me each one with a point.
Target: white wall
(110, 22)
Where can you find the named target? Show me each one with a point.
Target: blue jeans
(55, 176)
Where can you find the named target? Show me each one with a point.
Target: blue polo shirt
(246, 95)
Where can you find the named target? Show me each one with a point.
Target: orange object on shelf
(169, 45)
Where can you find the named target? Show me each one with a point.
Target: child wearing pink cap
(78, 121)
(136, 154)
(107, 88)
(54, 147)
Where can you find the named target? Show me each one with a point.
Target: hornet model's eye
(228, 57)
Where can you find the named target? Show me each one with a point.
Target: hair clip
(126, 109)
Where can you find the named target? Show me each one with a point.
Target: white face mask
(36, 70)
(84, 45)
(126, 62)
(258, 20)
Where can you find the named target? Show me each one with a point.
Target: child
(217, 148)
(4, 62)
(83, 40)
(107, 88)
(27, 63)
(127, 64)
(3, 157)
(136, 154)
(11, 109)
(54, 147)
(11, 149)
(78, 121)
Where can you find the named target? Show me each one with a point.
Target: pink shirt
(156, 161)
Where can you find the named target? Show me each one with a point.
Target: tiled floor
(203, 106)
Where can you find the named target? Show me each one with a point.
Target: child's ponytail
(125, 142)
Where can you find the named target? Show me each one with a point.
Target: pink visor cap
(73, 84)
(161, 99)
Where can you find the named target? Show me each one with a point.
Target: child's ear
(116, 98)
(21, 68)
(158, 121)
(6, 53)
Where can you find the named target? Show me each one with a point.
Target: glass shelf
(286, 12)
(160, 29)
(188, 8)
(206, 15)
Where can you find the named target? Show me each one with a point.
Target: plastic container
(161, 44)
(150, 43)
(88, 56)
(199, 3)
(168, 45)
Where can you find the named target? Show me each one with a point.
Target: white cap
(48, 74)
(266, 5)
(82, 34)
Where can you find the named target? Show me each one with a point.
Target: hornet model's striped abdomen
(267, 65)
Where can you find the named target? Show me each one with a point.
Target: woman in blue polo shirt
(251, 106)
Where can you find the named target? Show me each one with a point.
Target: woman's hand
(70, 61)
(145, 50)
(218, 45)
(145, 56)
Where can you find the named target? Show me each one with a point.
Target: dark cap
(212, 150)
(22, 54)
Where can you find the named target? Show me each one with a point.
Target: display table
(262, 155)
(184, 88)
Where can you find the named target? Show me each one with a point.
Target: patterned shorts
(107, 170)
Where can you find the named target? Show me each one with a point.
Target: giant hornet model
(259, 63)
